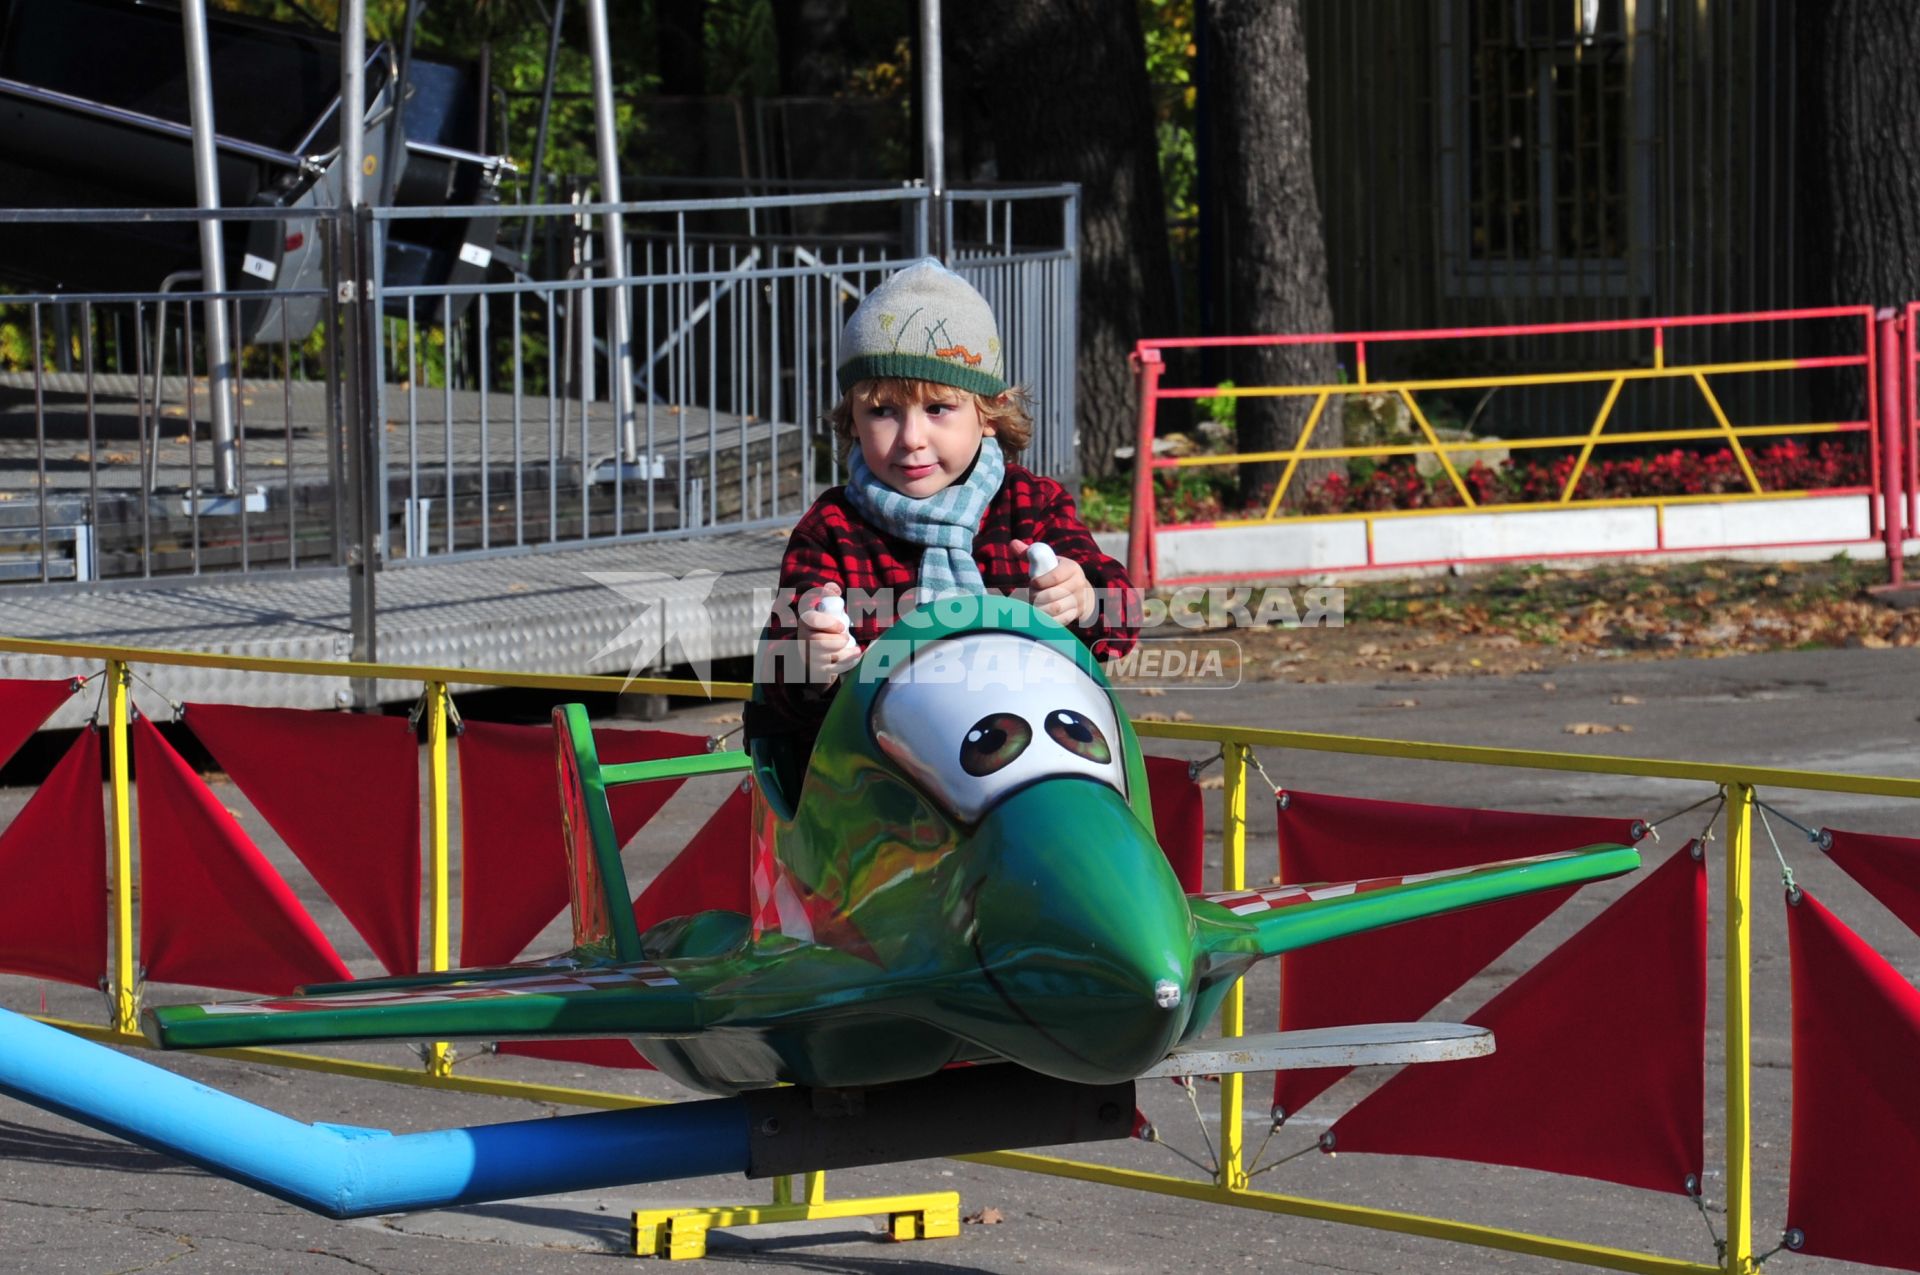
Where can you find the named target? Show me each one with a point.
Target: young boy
(931, 504)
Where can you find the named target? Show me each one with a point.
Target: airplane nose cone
(1083, 934)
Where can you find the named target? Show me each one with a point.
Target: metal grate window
(1546, 171)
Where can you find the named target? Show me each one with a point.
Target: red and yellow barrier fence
(1657, 926)
(1868, 354)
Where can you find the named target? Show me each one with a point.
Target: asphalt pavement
(72, 1200)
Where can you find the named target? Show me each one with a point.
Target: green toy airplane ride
(964, 870)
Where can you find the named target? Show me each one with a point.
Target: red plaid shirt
(834, 545)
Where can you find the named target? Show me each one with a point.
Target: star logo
(672, 611)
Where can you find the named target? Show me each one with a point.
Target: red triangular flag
(513, 858)
(1179, 818)
(711, 873)
(53, 857)
(213, 912)
(1400, 974)
(1856, 1108)
(24, 704)
(592, 1053)
(343, 791)
(1599, 1063)
(1889, 868)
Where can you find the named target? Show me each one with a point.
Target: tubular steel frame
(1229, 1185)
(1149, 363)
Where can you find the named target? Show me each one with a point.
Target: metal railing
(500, 425)
(1228, 1184)
(735, 332)
(1462, 481)
(109, 454)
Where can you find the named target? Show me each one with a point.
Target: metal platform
(536, 612)
(1362, 1045)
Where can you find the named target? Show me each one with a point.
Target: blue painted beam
(347, 1172)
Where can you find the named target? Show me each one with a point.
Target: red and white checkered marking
(532, 985)
(1272, 897)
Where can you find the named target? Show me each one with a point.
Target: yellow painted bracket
(677, 1234)
(124, 989)
(439, 1056)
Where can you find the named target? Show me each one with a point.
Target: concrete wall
(1810, 527)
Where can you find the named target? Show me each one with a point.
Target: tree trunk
(1272, 274)
(1062, 95)
(1864, 144)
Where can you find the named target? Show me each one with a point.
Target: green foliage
(16, 340)
(743, 55)
(1106, 502)
(1168, 27)
(1219, 408)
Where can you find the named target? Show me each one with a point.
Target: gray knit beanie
(925, 323)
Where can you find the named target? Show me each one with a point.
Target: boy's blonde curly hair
(1009, 413)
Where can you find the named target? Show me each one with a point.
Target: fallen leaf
(724, 719)
(1368, 648)
(1151, 692)
(1401, 703)
(1212, 783)
(985, 1217)
(1590, 728)
(1548, 686)
(1182, 715)
(1626, 699)
(1151, 717)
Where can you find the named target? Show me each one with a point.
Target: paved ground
(71, 1200)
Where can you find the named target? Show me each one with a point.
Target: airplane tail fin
(596, 881)
(603, 924)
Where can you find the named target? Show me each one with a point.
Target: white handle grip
(834, 604)
(1041, 559)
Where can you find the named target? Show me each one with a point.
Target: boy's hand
(1064, 592)
(826, 638)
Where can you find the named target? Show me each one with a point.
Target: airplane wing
(1237, 928)
(628, 999)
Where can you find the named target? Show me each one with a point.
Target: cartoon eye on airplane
(963, 871)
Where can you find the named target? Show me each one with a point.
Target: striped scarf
(942, 523)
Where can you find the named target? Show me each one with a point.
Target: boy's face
(918, 443)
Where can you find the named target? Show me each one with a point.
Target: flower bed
(1191, 496)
